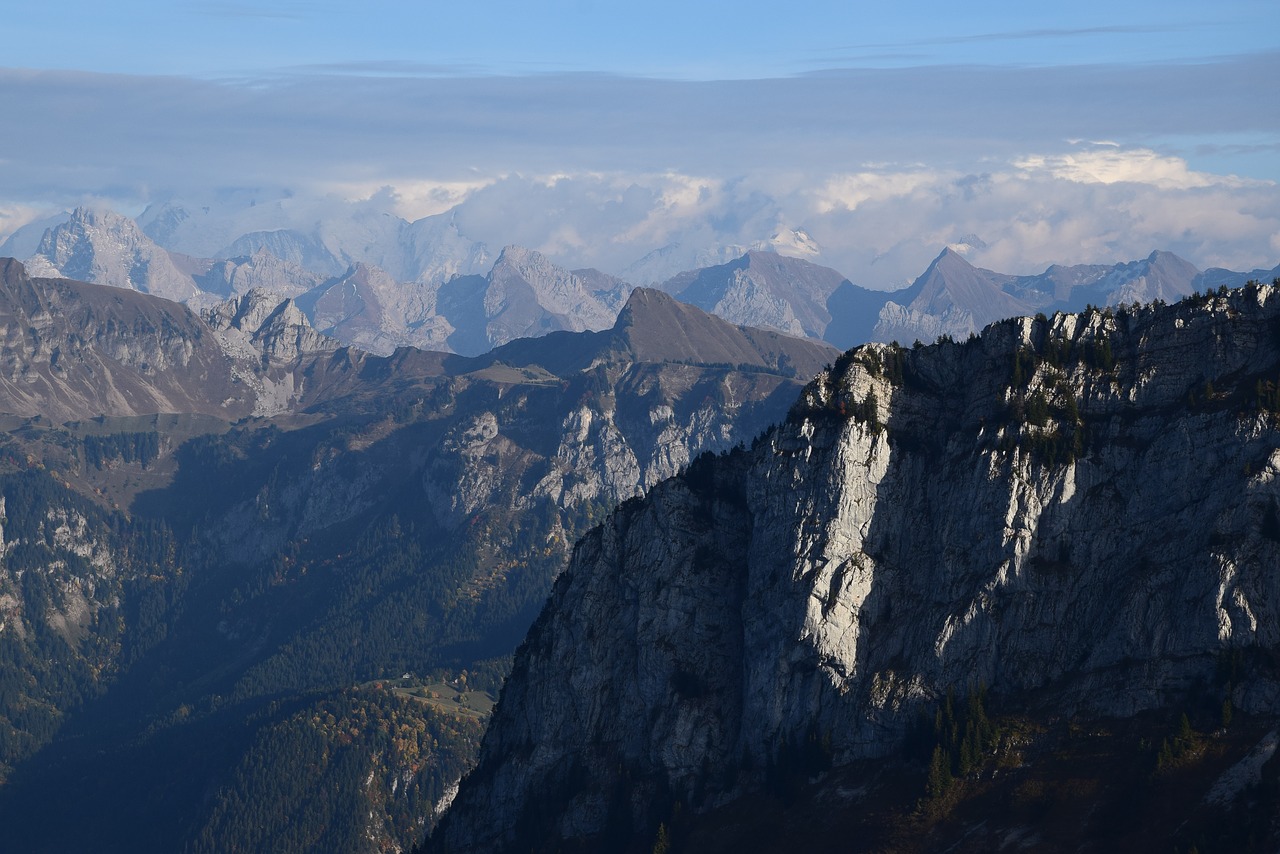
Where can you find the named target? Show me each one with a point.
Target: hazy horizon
(1090, 136)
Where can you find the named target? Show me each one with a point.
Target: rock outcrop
(262, 325)
(271, 345)
(1081, 513)
(72, 350)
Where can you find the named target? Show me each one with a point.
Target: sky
(867, 135)
(711, 39)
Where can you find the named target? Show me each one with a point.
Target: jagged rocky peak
(240, 274)
(524, 260)
(533, 266)
(106, 248)
(523, 296)
(1163, 276)
(267, 323)
(763, 289)
(367, 308)
(248, 313)
(952, 288)
(1078, 513)
(557, 291)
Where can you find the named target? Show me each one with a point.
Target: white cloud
(848, 191)
(1113, 164)
(411, 198)
(887, 224)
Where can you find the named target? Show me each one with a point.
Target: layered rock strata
(1082, 513)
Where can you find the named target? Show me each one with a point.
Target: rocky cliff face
(1082, 513)
(270, 345)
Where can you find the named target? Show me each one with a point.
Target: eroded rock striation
(1081, 511)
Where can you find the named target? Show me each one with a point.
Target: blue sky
(1055, 133)
(690, 40)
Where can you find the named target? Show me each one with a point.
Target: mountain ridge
(654, 326)
(75, 350)
(1028, 514)
(425, 284)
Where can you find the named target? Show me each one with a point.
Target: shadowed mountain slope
(1069, 518)
(654, 327)
(357, 518)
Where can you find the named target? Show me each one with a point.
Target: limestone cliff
(1081, 512)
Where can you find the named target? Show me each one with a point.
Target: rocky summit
(1075, 517)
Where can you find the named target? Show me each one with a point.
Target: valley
(210, 585)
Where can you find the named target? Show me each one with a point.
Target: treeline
(142, 448)
(93, 591)
(355, 771)
(956, 740)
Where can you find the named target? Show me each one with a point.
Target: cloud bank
(879, 167)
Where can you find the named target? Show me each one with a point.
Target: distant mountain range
(955, 298)
(424, 285)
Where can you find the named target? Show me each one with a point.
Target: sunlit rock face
(107, 248)
(1081, 512)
